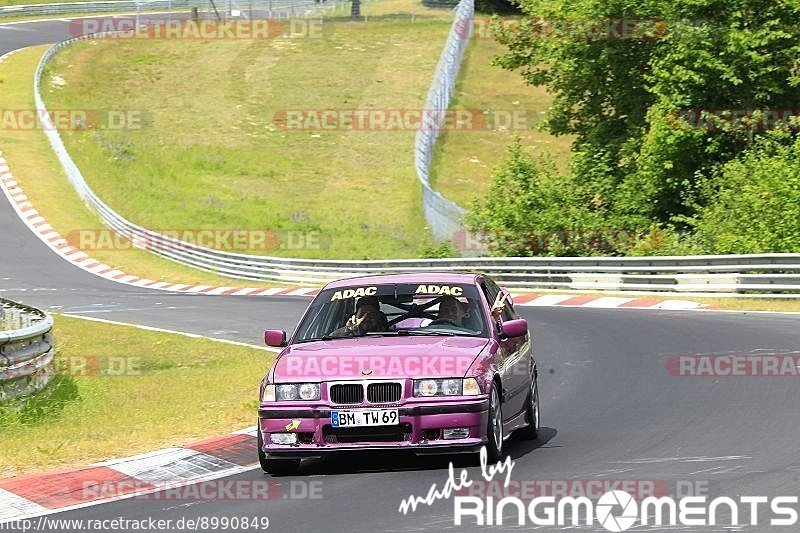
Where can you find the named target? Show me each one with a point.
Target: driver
(451, 310)
(368, 318)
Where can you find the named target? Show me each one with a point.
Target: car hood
(378, 357)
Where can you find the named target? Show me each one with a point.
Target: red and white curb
(136, 477)
(602, 302)
(39, 226)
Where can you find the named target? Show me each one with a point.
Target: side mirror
(515, 328)
(275, 337)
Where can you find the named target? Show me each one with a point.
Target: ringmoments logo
(615, 510)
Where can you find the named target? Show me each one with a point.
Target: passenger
(451, 311)
(497, 310)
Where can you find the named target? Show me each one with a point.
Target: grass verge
(177, 390)
(215, 153)
(39, 173)
(464, 158)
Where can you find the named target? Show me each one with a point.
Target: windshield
(394, 309)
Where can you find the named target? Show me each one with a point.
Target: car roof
(412, 277)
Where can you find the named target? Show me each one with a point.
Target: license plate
(364, 417)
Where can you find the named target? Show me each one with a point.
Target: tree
(753, 202)
(624, 98)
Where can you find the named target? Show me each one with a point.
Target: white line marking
(252, 430)
(679, 305)
(217, 475)
(12, 506)
(607, 301)
(243, 292)
(548, 299)
(172, 331)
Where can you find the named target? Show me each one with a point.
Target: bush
(752, 202)
(532, 210)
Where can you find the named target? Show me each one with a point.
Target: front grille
(398, 433)
(348, 393)
(384, 392)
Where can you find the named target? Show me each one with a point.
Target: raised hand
(498, 305)
(353, 322)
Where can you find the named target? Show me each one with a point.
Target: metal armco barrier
(91, 7)
(766, 273)
(26, 349)
(124, 6)
(443, 216)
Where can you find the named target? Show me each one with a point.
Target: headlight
(446, 387)
(471, 387)
(309, 391)
(269, 394)
(291, 391)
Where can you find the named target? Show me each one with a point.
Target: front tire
(494, 427)
(277, 467)
(531, 431)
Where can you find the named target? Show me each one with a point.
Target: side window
(508, 312)
(327, 317)
(491, 288)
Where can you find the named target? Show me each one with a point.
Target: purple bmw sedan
(431, 363)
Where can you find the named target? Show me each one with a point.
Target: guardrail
(26, 349)
(443, 216)
(766, 273)
(224, 7)
(66, 8)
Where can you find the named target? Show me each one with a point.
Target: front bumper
(419, 429)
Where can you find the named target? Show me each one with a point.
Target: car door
(514, 356)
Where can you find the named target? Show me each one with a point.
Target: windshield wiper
(407, 333)
(323, 338)
(430, 333)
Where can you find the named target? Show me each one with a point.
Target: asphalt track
(610, 409)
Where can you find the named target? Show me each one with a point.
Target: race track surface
(610, 408)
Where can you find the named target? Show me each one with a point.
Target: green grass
(463, 159)
(39, 173)
(179, 390)
(212, 155)
(752, 304)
